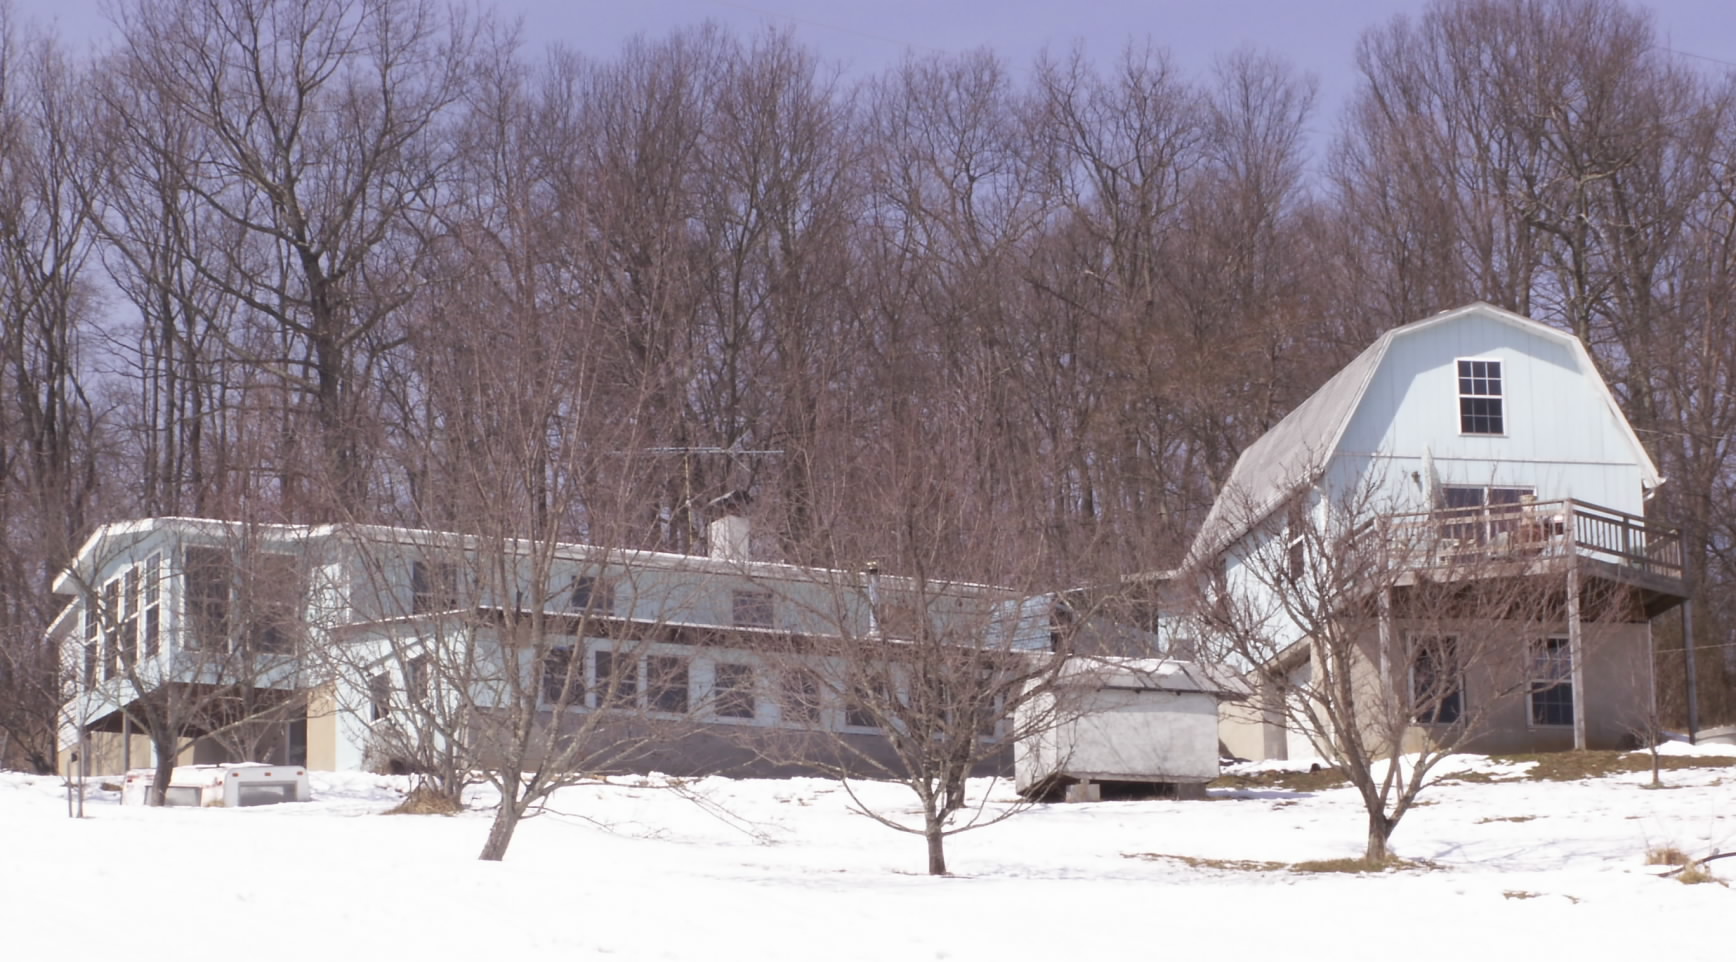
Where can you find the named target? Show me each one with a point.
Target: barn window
(1480, 398)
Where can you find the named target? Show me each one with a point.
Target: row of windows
(1438, 685)
(663, 683)
(259, 607)
(123, 622)
(436, 586)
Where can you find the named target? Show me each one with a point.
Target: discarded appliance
(230, 786)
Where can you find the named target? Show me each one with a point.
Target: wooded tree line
(381, 260)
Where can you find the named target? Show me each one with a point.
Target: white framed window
(860, 701)
(614, 678)
(592, 595)
(1480, 397)
(206, 576)
(433, 586)
(110, 616)
(1503, 508)
(131, 595)
(379, 696)
(732, 690)
(562, 677)
(800, 698)
(1437, 683)
(1295, 540)
(667, 683)
(1551, 682)
(92, 640)
(630, 680)
(417, 680)
(150, 605)
(752, 609)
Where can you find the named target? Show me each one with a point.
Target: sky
(1318, 36)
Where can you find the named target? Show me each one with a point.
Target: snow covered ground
(775, 870)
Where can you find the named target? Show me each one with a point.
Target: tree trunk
(936, 847)
(1379, 830)
(165, 750)
(500, 833)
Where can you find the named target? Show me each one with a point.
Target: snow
(723, 869)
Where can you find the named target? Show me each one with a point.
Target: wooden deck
(1511, 532)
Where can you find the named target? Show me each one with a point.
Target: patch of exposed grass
(1505, 818)
(1519, 894)
(1348, 865)
(1314, 781)
(1478, 778)
(1222, 864)
(425, 801)
(1357, 865)
(1696, 873)
(1666, 855)
(1573, 766)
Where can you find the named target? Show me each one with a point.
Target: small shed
(1123, 728)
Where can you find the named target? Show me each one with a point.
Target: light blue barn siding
(1563, 438)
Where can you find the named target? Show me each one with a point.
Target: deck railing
(1531, 529)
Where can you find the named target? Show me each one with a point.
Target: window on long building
(667, 691)
(732, 690)
(207, 580)
(616, 679)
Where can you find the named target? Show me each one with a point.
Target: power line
(1667, 48)
(836, 28)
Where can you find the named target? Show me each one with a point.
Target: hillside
(772, 870)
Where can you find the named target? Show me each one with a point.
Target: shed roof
(1150, 674)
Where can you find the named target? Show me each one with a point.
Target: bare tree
(50, 469)
(1388, 644)
(938, 645)
(317, 133)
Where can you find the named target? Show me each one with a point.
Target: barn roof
(1291, 455)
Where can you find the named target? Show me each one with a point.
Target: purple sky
(1316, 35)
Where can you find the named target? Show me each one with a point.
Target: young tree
(925, 665)
(930, 683)
(1390, 644)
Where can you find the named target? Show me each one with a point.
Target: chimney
(729, 537)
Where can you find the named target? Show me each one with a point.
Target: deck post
(1576, 652)
(1688, 671)
(1575, 632)
(1385, 636)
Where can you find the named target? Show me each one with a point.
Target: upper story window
(593, 595)
(1480, 410)
(256, 599)
(433, 586)
(751, 609)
